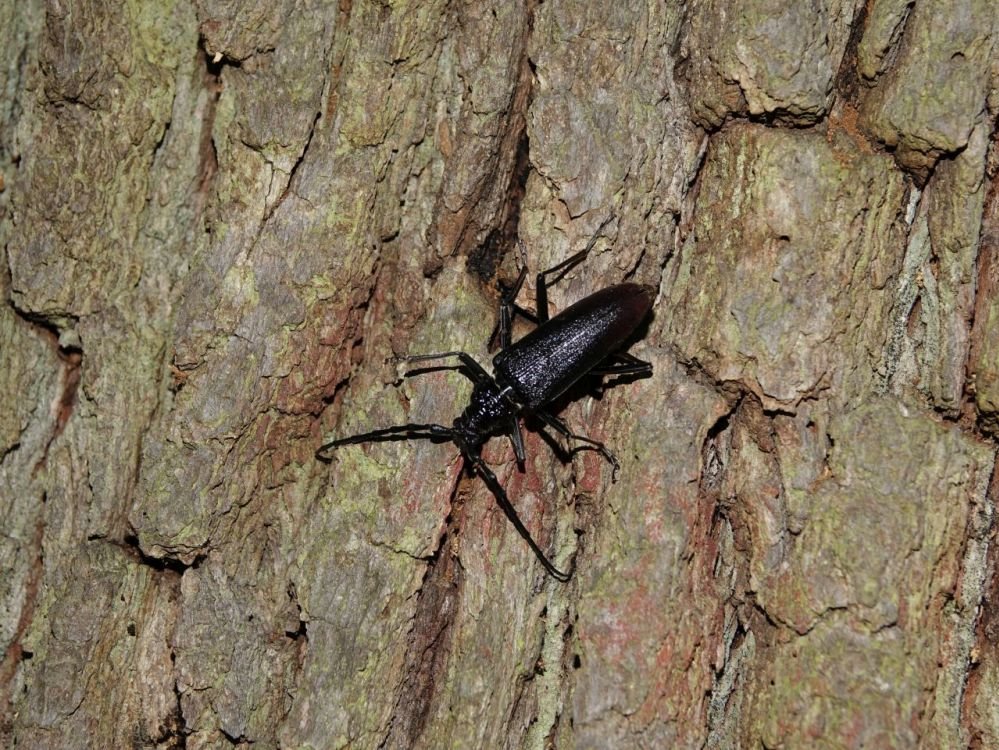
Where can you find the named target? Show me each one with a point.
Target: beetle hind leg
(559, 271)
(624, 364)
(511, 513)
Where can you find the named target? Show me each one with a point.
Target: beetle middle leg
(559, 271)
(563, 429)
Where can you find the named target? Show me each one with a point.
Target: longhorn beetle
(531, 373)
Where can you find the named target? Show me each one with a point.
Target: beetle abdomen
(546, 362)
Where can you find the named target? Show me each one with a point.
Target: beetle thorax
(488, 413)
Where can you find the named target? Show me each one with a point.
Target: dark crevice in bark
(714, 454)
(131, 546)
(727, 686)
(337, 53)
(6, 272)
(208, 165)
(72, 359)
(764, 627)
(726, 519)
(70, 355)
(511, 160)
(301, 633)
(338, 389)
(429, 643)
(731, 390)
(685, 218)
(484, 260)
(158, 148)
(333, 391)
(294, 168)
(239, 741)
(429, 649)
(173, 731)
(748, 422)
(758, 422)
(986, 290)
(51, 326)
(524, 704)
(850, 86)
(19, 73)
(985, 648)
(847, 81)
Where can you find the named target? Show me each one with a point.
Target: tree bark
(223, 223)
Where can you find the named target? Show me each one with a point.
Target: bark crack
(70, 355)
(208, 164)
(294, 169)
(429, 642)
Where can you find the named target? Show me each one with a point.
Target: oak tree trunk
(222, 223)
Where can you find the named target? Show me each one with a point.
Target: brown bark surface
(221, 223)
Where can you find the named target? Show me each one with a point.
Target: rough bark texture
(222, 221)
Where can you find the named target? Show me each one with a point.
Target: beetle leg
(504, 330)
(476, 372)
(504, 503)
(400, 432)
(517, 439)
(541, 282)
(558, 425)
(508, 308)
(623, 363)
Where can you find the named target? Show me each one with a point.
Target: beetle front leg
(410, 431)
(517, 440)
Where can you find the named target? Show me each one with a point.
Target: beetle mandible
(531, 373)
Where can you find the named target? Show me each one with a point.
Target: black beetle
(532, 373)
